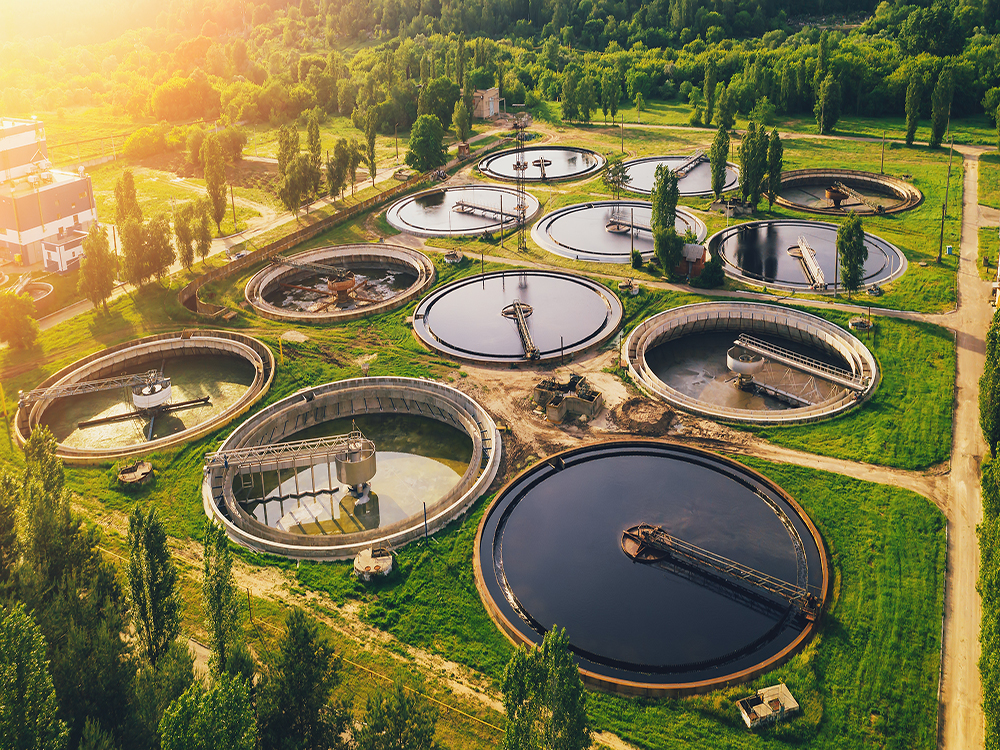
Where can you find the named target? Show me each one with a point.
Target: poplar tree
(126, 201)
(217, 718)
(219, 595)
(370, 123)
(775, 165)
(215, 178)
(460, 119)
(725, 108)
(315, 147)
(718, 157)
(665, 195)
(711, 74)
(152, 582)
(827, 107)
(853, 252)
(97, 269)
(587, 97)
(184, 234)
(570, 109)
(912, 108)
(202, 230)
(941, 97)
(288, 147)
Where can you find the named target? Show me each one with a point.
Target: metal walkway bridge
(647, 543)
(492, 212)
(520, 311)
(26, 398)
(872, 204)
(621, 221)
(810, 265)
(275, 456)
(837, 375)
(308, 266)
(691, 162)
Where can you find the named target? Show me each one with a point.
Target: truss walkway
(837, 375)
(26, 398)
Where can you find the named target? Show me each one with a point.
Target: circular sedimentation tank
(554, 549)
(607, 231)
(361, 280)
(459, 211)
(544, 164)
(691, 357)
(37, 290)
(483, 318)
(771, 253)
(222, 373)
(436, 451)
(695, 182)
(837, 191)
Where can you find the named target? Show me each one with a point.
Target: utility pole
(623, 133)
(395, 135)
(947, 186)
(882, 167)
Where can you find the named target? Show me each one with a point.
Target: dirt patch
(641, 416)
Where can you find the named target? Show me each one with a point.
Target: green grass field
(989, 180)
(989, 249)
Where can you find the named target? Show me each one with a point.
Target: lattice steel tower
(521, 124)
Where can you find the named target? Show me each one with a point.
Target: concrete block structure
(767, 706)
(64, 251)
(39, 204)
(486, 103)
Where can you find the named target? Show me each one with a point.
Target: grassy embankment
(989, 180)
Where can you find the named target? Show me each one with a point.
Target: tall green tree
(126, 201)
(400, 719)
(295, 184)
(725, 108)
(293, 696)
(336, 168)
(355, 156)
(941, 98)
(98, 267)
(570, 102)
(711, 75)
(640, 104)
(28, 706)
(753, 163)
(184, 233)
(461, 121)
(152, 583)
(718, 157)
(426, 146)
(666, 193)
(587, 97)
(315, 147)
(215, 178)
(853, 253)
(220, 717)
(989, 389)
(370, 133)
(460, 56)
(156, 689)
(544, 698)
(159, 246)
(95, 738)
(775, 166)
(202, 230)
(219, 596)
(617, 178)
(912, 108)
(288, 147)
(18, 326)
(135, 264)
(827, 107)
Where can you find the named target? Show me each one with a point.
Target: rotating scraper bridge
(256, 446)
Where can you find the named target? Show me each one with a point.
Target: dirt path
(961, 715)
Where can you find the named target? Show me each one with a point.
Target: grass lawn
(989, 248)
(989, 180)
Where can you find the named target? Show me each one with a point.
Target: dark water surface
(565, 163)
(554, 539)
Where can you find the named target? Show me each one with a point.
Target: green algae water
(223, 379)
(419, 460)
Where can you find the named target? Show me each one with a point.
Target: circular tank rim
(896, 270)
(385, 255)
(651, 688)
(232, 343)
(637, 342)
(543, 240)
(427, 338)
(729, 185)
(477, 423)
(908, 192)
(589, 172)
(392, 213)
